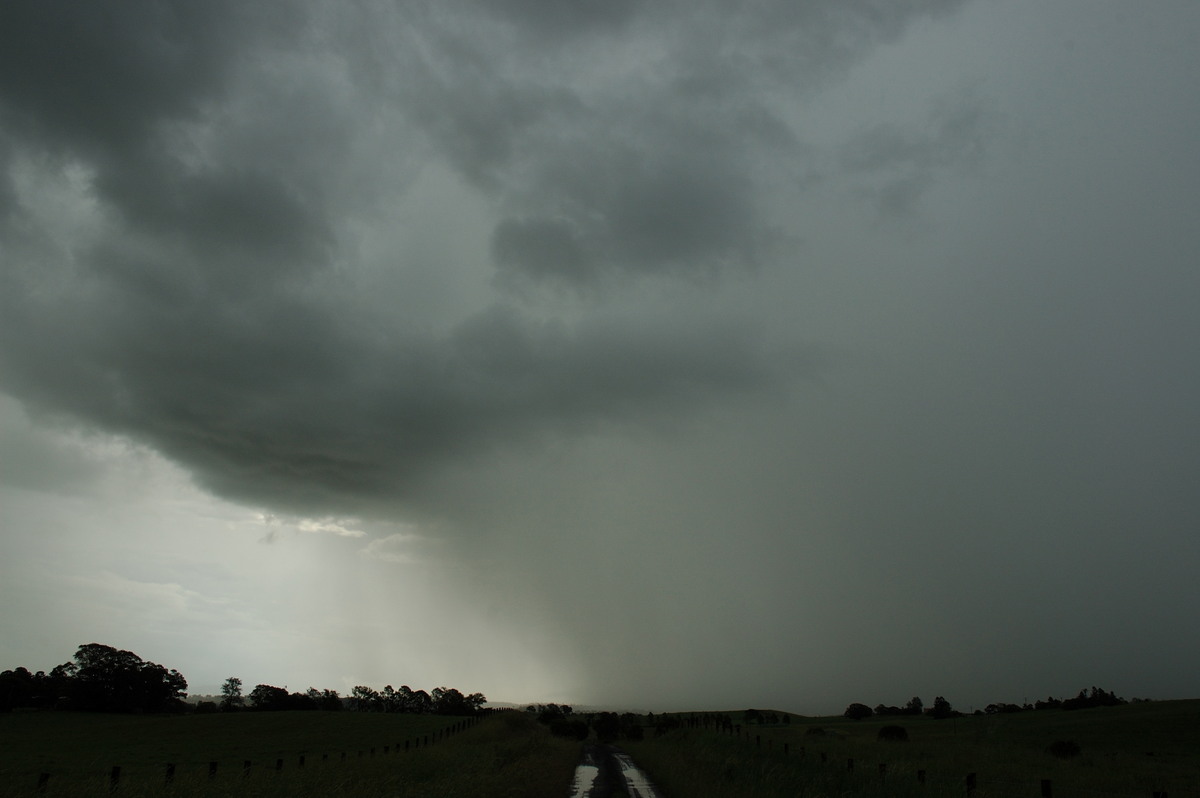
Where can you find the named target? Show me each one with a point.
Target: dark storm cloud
(207, 296)
(900, 164)
(636, 154)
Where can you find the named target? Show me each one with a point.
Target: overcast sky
(659, 355)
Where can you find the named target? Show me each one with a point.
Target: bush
(894, 734)
(858, 711)
(570, 729)
(815, 731)
(1063, 749)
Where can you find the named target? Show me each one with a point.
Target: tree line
(941, 708)
(102, 678)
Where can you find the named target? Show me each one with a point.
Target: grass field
(507, 754)
(1131, 750)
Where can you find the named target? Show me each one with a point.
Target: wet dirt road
(607, 770)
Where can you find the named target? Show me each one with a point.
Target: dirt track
(605, 771)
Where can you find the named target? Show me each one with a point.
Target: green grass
(504, 755)
(1130, 750)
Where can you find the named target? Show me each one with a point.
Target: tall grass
(507, 754)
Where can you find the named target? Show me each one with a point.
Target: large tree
(106, 679)
(231, 694)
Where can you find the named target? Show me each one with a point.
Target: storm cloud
(836, 326)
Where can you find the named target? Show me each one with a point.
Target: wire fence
(887, 777)
(169, 772)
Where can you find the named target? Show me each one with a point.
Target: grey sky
(629, 353)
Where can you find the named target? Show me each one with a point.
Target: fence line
(115, 772)
(970, 783)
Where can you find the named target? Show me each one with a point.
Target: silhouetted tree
(231, 694)
(941, 709)
(16, 689)
(1096, 698)
(107, 679)
(857, 711)
(365, 699)
(268, 698)
(914, 706)
(326, 700)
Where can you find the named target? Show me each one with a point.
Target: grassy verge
(504, 755)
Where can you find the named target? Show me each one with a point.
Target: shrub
(815, 731)
(1063, 749)
(858, 711)
(895, 734)
(570, 729)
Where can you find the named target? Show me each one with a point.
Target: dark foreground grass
(507, 754)
(1133, 750)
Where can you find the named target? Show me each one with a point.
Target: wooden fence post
(212, 770)
(170, 772)
(114, 778)
(970, 784)
(1047, 790)
(849, 764)
(278, 764)
(43, 779)
(920, 777)
(882, 769)
(302, 760)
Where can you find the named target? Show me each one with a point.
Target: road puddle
(605, 770)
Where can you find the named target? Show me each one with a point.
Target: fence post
(114, 778)
(278, 764)
(43, 779)
(882, 769)
(302, 760)
(1047, 790)
(920, 777)
(970, 784)
(212, 770)
(170, 772)
(785, 749)
(849, 764)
